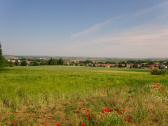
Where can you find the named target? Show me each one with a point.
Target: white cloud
(146, 39)
(95, 28)
(161, 9)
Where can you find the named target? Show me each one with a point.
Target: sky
(91, 28)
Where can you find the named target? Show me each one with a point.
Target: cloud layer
(139, 34)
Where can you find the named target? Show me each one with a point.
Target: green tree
(52, 61)
(157, 71)
(24, 63)
(60, 61)
(2, 59)
(0, 50)
(34, 63)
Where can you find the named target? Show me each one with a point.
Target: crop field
(82, 96)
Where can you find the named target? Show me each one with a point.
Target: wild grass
(50, 95)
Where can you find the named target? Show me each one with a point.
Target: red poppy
(58, 124)
(88, 116)
(14, 123)
(107, 110)
(83, 124)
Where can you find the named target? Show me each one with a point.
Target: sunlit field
(82, 96)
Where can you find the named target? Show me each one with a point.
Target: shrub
(34, 63)
(24, 63)
(158, 71)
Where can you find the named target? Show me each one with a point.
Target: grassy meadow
(82, 96)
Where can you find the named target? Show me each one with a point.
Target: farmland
(79, 96)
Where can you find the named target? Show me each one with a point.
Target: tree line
(2, 59)
(36, 62)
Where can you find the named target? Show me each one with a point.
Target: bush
(3, 62)
(34, 63)
(158, 71)
(23, 63)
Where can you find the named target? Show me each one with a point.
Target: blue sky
(95, 28)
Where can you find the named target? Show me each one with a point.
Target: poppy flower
(83, 124)
(14, 123)
(88, 116)
(58, 124)
(107, 110)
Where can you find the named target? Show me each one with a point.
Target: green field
(70, 96)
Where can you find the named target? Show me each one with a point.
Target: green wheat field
(82, 96)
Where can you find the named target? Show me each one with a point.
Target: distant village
(90, 62)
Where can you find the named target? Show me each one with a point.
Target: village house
(129, 65)
(104, 65)
(14, 61)
(162, 66)
(154, 66)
